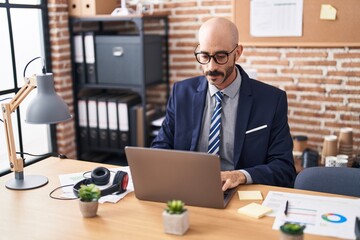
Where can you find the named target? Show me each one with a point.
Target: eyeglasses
(220, 57)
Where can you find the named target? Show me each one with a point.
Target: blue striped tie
(215, 126)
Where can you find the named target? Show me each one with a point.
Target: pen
(286, 207)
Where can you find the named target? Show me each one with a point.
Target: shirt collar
(231, 90)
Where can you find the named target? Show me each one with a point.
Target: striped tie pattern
(215, 126)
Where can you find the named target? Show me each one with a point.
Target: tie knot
(219, 96)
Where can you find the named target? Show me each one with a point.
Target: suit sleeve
(279, 167)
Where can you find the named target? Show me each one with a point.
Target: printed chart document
(73, 178)
(276, 18)
(326, 216)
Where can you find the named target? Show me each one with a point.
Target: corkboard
(344, 31)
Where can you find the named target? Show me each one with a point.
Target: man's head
(218, 38)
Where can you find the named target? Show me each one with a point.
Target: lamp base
(29, 182)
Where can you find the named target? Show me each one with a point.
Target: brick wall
(323, 84)
(61, 68)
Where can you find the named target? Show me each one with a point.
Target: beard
(225, 74)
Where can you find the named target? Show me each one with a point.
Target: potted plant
(88, 200)
(175, 218)
(292, 231)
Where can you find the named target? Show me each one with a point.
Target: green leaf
(88, 193)
(175, 207)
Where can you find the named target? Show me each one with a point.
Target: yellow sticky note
(254, 210)
(250, 195)
(327, 12)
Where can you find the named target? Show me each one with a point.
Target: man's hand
(232, 179)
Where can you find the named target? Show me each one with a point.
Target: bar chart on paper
(305, 216)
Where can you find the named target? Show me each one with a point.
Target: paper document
(326, 216)
(73, 178)
(276, 18)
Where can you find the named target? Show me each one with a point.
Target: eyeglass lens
(220, 58)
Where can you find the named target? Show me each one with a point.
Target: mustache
(214, 73)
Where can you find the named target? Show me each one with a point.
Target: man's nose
(212, 65)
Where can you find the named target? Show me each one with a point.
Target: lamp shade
(47, 107)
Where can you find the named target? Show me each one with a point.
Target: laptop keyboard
(226, 193)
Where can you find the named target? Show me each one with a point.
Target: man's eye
(220, 56)
(204, 56)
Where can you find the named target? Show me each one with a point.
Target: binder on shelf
(124, 104)
(90, 57)
(83, 125)
(113, 123)
(137, 126)
(79, 58)
(102, 113)
(139, 123)
(93, 122)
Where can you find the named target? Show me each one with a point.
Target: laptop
(161, 175)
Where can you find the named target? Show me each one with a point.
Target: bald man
(252, 136)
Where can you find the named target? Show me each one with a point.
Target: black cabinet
(120, 56)
(115, 62)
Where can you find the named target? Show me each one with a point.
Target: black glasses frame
(214, 55)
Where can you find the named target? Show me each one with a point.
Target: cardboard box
(95, 7)
(75, 7)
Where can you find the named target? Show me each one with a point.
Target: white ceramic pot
(88, 209)
(176, 224)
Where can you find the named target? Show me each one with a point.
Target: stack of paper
(250, 195)
(254, 210)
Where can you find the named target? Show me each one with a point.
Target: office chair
(337, 180)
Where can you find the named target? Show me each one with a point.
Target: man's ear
(239, 51)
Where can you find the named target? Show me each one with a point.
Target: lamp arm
(16, 164)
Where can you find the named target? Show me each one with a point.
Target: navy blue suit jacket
(265, 154)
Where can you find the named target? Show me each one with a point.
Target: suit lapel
(243, 114)
(198, 103)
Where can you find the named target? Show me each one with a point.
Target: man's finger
(226, 185)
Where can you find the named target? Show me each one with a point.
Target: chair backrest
(338, 180)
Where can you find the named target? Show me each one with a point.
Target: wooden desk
(33, 214)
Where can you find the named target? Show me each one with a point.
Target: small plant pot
(88, 209)
(292, 231)
(176, 224)
(286, 236)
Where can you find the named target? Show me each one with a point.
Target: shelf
(128, 73)
(110, 18)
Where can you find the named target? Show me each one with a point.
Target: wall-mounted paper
(327, 12)
(276, 18)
